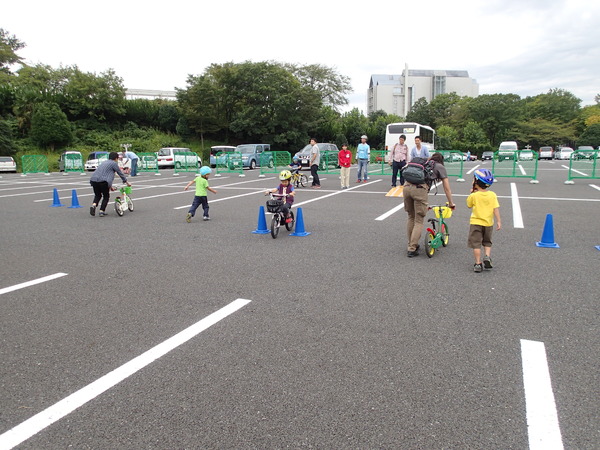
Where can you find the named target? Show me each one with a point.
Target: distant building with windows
(150, 94)
(395, 94)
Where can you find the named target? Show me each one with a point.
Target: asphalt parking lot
(157, 333)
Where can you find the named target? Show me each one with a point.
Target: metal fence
(185, 162)
(34, 164)
(583, 165)
(329, 162)
(229, 162)
(454, 163)
(148, 162)
(73, 163)
(515, 164)
(274, 162)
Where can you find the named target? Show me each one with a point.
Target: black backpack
(419, 171)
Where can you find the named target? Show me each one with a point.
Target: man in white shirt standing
(398, 160)
(315, 159)
(419, 150)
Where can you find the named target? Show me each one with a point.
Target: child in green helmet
(201, 197)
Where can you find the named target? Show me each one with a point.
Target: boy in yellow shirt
(485, 208)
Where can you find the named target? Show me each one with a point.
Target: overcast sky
(525, 47)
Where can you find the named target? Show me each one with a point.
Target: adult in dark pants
(398, 160)
(315, 160)
(102, 180)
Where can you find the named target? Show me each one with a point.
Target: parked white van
(166, 157)
(507, 150)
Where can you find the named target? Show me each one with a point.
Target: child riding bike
(286, 191)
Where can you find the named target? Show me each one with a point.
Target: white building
(395, 94)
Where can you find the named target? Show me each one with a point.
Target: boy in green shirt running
(485, 207)
(201, 190)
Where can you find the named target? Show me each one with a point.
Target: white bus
(410, 130)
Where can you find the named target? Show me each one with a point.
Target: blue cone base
(305, 233)
(261, 231)
(598, 247)
(547, 245)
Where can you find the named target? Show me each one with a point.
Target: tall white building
(395, 94)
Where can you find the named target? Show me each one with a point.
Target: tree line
(50, 109)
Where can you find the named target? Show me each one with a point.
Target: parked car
(219, 149)
(167, 158)
(252, 154)
(487, 155)
(526, 155)
(72, 163)
(304, 154)
(584, 152)
(507, 150)
(563, 153)
(546, 153)
(93, 160)
(8, 164)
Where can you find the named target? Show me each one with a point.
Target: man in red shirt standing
(345, 161)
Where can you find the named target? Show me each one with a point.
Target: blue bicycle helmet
(295, 159)
(485, 176)
(205, 170)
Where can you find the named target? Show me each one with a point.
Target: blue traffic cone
(548, 234)
(56, 201)
(299, 230)
(598, 247)
(262, 222)
(74, 200)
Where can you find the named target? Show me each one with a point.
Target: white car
(167, 158)
(563, 153)
(8, 164)
(94, 160)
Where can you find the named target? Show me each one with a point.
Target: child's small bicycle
(435, 238)
(299, 179)
(274, 206)
(123, 202)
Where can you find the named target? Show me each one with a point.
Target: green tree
(419, 112)
(168, 116)
(330, 85)
(441, 109)
(539, 132)
(50, 127)
(447, 138)
(497, 114)
(354, 125)
(556, 105)
(7, 142)
(101, 97)
(9, 45)
(143, 112)
(591, 136)
(474, 138)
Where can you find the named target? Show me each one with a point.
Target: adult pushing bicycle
(437, 234)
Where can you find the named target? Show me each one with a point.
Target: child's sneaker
(188, 218)
(487, 262)
(477, 268)
(93, 210)
(206, 218)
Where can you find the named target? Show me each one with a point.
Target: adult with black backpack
(419, 174)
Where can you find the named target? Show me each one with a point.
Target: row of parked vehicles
(509, 150)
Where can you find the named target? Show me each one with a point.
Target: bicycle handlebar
(441, 206)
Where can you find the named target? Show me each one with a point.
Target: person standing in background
(315, 160)
(345, 161)
(363, 152)
(398, 160)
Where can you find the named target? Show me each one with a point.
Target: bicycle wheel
(445, 234)
(275, 226)
(129, 204)
(118, 207)
(429, 249)
(290, 225)
(303, 180)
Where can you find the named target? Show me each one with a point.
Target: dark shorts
(480, 235)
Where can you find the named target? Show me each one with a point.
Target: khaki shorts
(480, 235)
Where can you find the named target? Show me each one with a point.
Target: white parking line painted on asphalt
(542, 420)
(31, 283)
(516, 206)
(594, 186)
(220, 199)
(390, 212)
(573, 170)
(522, 170)
(335, 193)
(473, 169)
(47, 417)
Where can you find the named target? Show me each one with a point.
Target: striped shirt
(106, 172)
